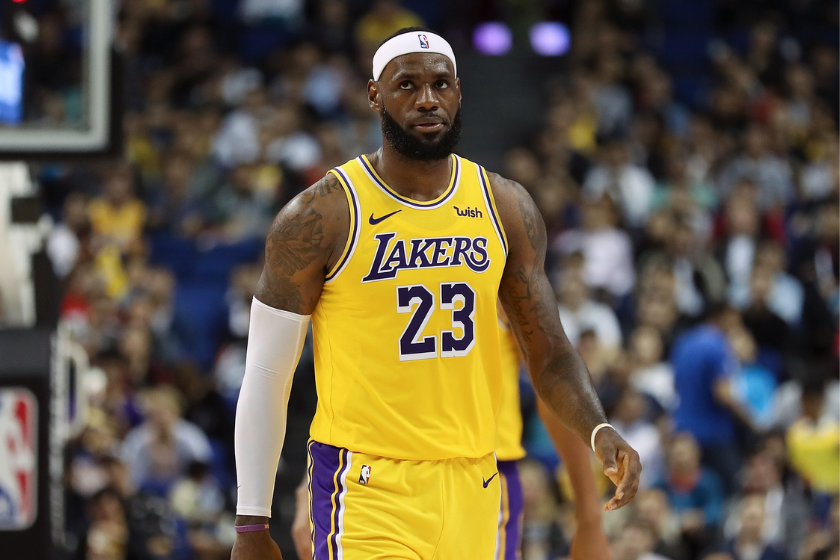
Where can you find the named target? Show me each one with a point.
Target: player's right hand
(255, 546)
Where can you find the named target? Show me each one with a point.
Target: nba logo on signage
(18, 458)
(424, 42)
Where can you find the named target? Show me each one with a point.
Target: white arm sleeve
(275, 341)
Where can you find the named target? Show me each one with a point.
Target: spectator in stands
(813, 443)
(786, 295)
(752, 384)
(820, 178)
(108, 535)
(787, 406)
(650, 374)
(750, 543)
(612, 101)
(240, 209)
(630, 186)
(636, 541)
(197, 496)
(66, 237)
(695, 493)
(736, 251)
(198, 500)
(607, 251)
(579, 313)
(331, 28)
(172, 207)
(704, 363)
(771, 174)
(698, 278)
(683, 193)
(383, 19)
(786, 509)
(162, 448)
(770, 330)
(237, 140)
(118, 215)
(653, 508)
(283, 140)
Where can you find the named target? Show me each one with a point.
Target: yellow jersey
(509, 420)
(813, 451)
(406, 336)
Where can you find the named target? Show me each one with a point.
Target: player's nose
(427, 98)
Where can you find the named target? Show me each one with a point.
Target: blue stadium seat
(684, 48)
(257, 41)
(172, 252)
(215, 264)
(200, 307)
(689, 14)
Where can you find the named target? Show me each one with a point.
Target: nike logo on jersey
(373, 221)
(486, 482)
(393, 255)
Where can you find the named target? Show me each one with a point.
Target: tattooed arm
(557, 371)
(305, 241)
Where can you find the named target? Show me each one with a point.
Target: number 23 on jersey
(419, 300)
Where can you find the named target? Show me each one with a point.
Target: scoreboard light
(550, 38)
(492, 38)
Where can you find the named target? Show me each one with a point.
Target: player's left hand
(621, 464)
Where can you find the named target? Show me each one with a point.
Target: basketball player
(399, 258)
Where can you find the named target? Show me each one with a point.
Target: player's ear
(458, 87)
(374, 99)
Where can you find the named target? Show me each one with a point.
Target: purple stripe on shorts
(337, 500)
(513, 527)
(325, 464)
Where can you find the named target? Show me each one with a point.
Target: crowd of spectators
(693, 245)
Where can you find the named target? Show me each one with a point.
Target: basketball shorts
(509, 543)
(363, 507)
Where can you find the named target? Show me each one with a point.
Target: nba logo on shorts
(18, 458)
(424, 42)
(364, 476)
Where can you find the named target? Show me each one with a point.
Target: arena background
(684, 154)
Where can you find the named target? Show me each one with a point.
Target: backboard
(56, 79)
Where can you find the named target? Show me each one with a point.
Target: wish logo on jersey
(393, 256)
(18, 458)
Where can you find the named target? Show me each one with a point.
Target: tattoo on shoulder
(325, 187)
(295, 242)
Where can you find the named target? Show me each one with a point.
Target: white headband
(413, 42)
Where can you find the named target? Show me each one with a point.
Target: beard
(410, 146)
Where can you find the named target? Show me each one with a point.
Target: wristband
(595, 432)
(251, 528)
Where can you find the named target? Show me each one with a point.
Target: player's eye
(442, 84)
(406, 85)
